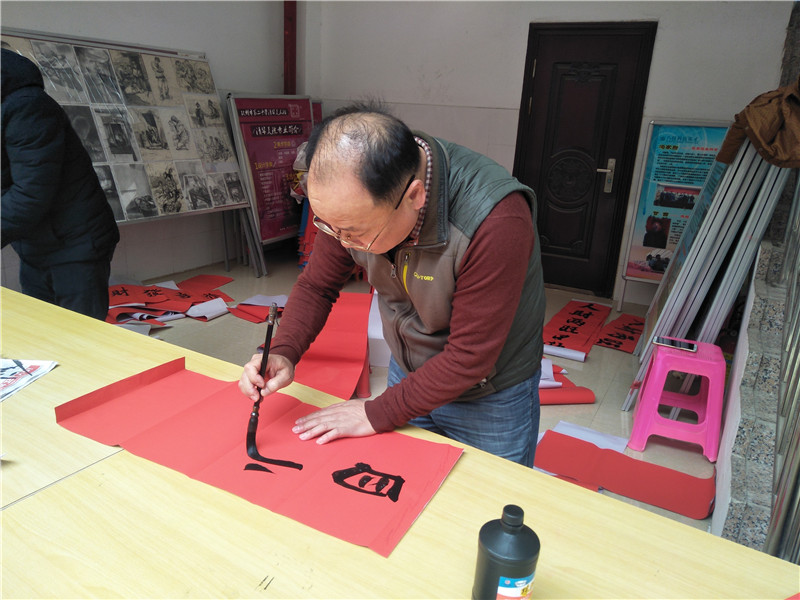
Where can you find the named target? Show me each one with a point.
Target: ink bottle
(507, 554)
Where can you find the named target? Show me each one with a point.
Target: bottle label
(508, 588)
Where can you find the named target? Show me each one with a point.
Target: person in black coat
(54, 212)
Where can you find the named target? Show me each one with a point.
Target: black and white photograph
(110, 189)
(178, 133)
(132, 78)
(133, 187)
(150, 133)
(194, 76)
(83, 123)
(101, 84)
(235, 188)
(215, 149)
(163, 81)
(60, 70)
(166, 187)
(197, 194)
(116, 134)
(217, 189)
(194, 184)
(204, 110)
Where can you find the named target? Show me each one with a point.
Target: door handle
(609, 183)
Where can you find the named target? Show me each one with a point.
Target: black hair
(383, 149)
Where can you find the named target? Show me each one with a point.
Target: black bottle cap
(513, 515)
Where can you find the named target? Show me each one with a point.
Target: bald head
(366, 141)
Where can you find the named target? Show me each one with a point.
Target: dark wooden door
(580, 116)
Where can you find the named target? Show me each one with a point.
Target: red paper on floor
(573, 330)
(201, 284)
(250, 312)
(366, 491)
(193, 291)
(124, 314)
(568, 393)
(134, 294)
(622, 333)
(585, 463)
(335, 361)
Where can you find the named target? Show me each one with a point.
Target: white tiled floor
(607, 372)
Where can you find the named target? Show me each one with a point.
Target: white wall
(455, 69)
(243, 42)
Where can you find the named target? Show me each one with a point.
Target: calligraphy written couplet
(575, 326)
(156, 300)
(622, 333)
(196, 425)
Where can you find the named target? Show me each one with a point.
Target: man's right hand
(280, 373)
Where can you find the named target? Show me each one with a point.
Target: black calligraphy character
(576, 321)
(634, 327)
(567, 329)
(120, 292)
(590, 306)
(620, 336)
(610, 343)
(362, 478)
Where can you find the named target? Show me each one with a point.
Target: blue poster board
(679, 159)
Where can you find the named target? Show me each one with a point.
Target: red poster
(271, 130)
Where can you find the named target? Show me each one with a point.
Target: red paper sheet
(568, 393)
(576, 325)
(167, 299)
(585, 463)
(249, 312)
(367, 491)
(200, 284)
(134, 294)
(335, 361)
(622, 333)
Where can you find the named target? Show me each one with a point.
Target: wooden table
(81, 519)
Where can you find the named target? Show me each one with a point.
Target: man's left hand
(345, 419)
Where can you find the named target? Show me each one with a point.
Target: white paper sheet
(565, 353)
(210, 310)
(16, 374)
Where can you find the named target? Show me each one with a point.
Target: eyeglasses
(325, 228)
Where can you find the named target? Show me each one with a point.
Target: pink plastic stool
(708, 364)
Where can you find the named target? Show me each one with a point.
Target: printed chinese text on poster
(272, 129)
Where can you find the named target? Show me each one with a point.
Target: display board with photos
(678, 158)
(150, 120)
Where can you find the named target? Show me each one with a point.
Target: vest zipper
(401, 319)
(405, 270)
